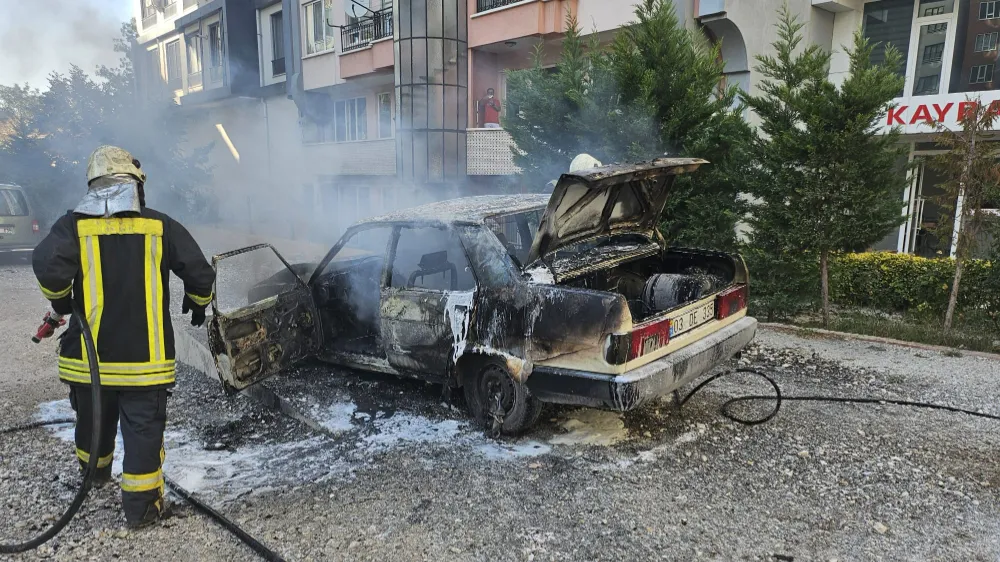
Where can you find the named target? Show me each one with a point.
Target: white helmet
(583, 162)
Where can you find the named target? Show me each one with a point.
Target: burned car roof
(464, 210)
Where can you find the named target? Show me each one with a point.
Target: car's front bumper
(634, 388)
(16, 248)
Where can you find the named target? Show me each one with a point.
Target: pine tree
(972, 166)
(827, 180)
(655, 91)
(52, 132)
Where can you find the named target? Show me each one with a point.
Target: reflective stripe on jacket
(118, 270)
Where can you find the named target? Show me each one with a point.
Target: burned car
(520, 300)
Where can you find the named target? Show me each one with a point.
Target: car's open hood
(609, 200)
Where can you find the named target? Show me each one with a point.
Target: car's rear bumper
(634, 388)
(16, 248)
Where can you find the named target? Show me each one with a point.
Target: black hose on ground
(95, 440)
(81, 495)
(778, 398)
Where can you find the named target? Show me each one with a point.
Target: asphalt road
(396, 473)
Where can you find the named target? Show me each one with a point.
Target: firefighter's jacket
(118, 270)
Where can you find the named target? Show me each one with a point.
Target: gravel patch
(395, 472)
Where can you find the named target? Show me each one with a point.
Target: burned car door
(264, 317)
(427, 302)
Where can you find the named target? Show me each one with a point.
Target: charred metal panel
(256, 342)
(422, 331)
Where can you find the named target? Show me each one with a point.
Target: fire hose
(49, 325)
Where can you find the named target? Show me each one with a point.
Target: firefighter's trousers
(143, 416)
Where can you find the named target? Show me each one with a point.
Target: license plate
(690, 320)
(6, 230)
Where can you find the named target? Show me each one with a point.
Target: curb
(830, 334)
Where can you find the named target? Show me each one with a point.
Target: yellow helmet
(583, 162)
(110, 160)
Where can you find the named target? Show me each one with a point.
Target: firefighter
(113, 256)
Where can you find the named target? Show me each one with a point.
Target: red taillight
(646, 339)
(730, 302)
(34, 227)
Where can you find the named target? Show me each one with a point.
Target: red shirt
(490, 114)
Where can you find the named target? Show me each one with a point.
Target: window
(12, 204)
(989, 10)
(319, 38)
(349, 123)
(930, 8)
(936, 28)
(385, 116)
(888, 22)
(927, 85)
(981, 74)
(277, 45)
(215, 52)
(173, 54)
(215, 44)
(153, 74)
(193, 53)
(431, 259)
(986, 42)
(148, 13)
(932, 53)
(516, 233)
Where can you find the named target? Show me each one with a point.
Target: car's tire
(520, 410)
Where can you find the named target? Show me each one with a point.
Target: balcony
(170, 9)
(365, 158)
(485, 5)
(499, 21)
(361, 34)
(278, 67)
(489, 153)
(149, 20)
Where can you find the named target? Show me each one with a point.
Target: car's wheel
(500, 403)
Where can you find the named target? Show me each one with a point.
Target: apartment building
(318, 112)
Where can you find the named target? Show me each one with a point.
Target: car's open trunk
(655, 282)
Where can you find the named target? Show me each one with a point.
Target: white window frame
(328, 133)
(981, 73)
(991, 9)
(329, 36)
(265, 52)
(986, 42)
(915, 53)
(176, 82)
(378, 112)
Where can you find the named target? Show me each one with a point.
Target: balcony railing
(361, 34)
(484, 5)
(149, 20)
(170, 9)
(489, 153)
(278, 67)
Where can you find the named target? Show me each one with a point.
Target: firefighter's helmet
(111, 160)
(583, 162)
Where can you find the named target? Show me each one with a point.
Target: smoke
(37, 38)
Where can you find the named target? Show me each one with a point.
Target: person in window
(489, 110)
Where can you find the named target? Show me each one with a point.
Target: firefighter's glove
(197, 312)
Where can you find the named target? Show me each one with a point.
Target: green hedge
(911, 284)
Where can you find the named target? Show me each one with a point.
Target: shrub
(910, 284)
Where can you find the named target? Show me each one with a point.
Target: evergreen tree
(51, 133)
(826, 179)
(972, 166)
(655, 91)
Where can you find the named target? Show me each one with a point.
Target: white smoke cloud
(43, 36)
